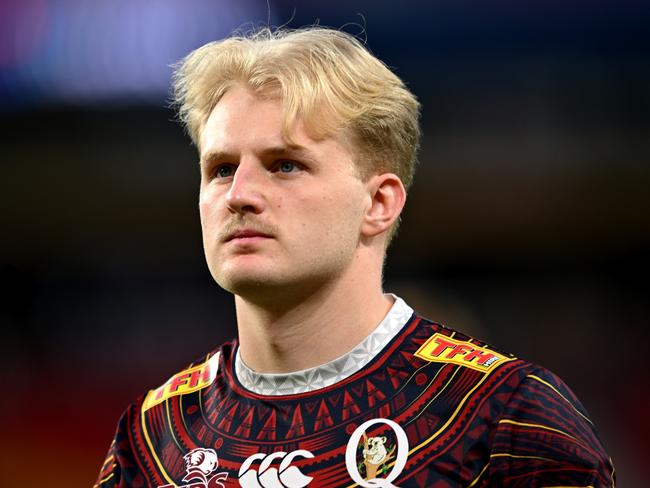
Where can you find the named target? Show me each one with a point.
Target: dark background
(527, 225)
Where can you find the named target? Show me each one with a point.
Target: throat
(303, 337)
(288, 379)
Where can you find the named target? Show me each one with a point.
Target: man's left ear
(387, 196)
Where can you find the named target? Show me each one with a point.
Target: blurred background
(527, 225)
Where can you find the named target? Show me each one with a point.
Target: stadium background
(527, 225)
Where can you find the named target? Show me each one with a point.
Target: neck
(322, 325)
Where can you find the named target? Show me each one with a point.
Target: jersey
(417, 404)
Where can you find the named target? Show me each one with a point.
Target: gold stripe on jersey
(109, 458)
(479, 476)
(451, 418)
(519, 456)
(104, 480)
(152, 451)
(171, 426)
(537, 426)
(563, 397)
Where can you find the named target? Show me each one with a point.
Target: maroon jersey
(416, 405)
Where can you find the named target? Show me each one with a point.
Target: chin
(261, 281)
(244, 282)
(267, 289)
(246, 287)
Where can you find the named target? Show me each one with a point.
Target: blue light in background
(106, 51)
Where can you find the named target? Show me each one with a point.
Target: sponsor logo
(201, 465)
(376, 461)
(268, 476)
(187, 381)
(442, 349)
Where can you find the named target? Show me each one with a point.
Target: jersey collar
(327, 374)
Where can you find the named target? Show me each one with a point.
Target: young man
(307, 145)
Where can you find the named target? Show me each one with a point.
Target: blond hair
(325, 77)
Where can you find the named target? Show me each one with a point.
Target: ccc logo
(268, 476)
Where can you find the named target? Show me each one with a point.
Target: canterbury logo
(268, 476)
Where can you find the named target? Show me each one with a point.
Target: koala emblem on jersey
(376, 461)
(376, 455)
(374, 451)
(200, 465)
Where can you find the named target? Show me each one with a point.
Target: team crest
(377, 460)
(200, 465)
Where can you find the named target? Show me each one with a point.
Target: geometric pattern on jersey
(327, 374)
(468, 421)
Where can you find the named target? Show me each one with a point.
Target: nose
(245, 194)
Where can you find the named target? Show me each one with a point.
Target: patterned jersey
(415, 405)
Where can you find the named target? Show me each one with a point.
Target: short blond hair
(324, 76)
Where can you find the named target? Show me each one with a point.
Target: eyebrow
(293, 150)
(212, 156)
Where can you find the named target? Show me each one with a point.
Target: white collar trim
(327, 374)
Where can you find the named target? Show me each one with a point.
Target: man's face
(275, 216)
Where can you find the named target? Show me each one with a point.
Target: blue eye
(224, 171)
(287, 166)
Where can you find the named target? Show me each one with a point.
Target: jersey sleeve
(544, 438)
(120, 468)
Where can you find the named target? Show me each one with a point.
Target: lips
(246, 234)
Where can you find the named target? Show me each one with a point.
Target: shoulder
(544, 428)
(472, 370)
(538, 427)
(514, 386)
(131, 458)
(523, 378)
(526, 378)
